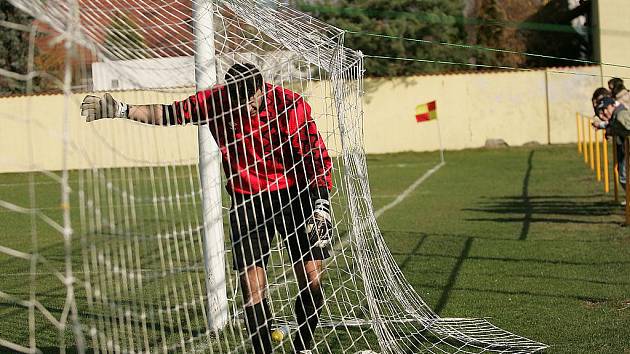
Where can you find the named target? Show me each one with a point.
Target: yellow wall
(570, 91)
(32, 131)
(471, 109)
(613, 35)
(475, 107)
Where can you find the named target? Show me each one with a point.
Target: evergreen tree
(13, 48)
(534, 27)
(491, 32)
(124, 38)
(430, 20)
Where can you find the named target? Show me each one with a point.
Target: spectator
(616, 120)
(598, 95)
(621, 93)
(614, 82)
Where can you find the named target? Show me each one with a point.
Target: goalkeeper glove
(319, 224)
(94, 108)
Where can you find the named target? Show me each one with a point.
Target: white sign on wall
(170, 72)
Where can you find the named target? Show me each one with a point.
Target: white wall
(613, 38)
(518, 107)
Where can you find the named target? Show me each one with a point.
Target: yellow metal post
(579, 136)
(627, 157)
(606, 167)
(591, 153)
(615, 168)
(598, 161)
(584, 146)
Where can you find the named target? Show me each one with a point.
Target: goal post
(210, 172)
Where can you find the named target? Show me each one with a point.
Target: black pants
(254, 220)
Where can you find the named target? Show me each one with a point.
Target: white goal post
(210, 172)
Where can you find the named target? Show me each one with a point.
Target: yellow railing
(593, 145)
(627, 157)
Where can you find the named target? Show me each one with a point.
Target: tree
(429, 20)
(542, 27)
(13, 48)
(492, 33)
(124, 39)
(568, 43)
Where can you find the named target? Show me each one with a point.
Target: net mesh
(115, 262)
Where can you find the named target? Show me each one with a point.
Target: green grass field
(523, 236)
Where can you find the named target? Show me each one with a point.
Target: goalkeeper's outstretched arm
(195, 109)
(95, 108)
(148, 114)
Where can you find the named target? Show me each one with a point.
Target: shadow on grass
(557, 209)
(416, 249)
(527, 206)
(482, 237)
(153, 325)
(452, 278)
(57, 350)
(523, 293)
(464, 255)
(423, 237)
(516, 260)
(546, 205)
(450, 283)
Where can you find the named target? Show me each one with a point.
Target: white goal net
(113, 257)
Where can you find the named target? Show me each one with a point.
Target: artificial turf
(523, 236)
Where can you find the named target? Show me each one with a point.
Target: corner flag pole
(210, 172)
(439, 131)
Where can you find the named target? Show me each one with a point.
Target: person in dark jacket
(616, 120)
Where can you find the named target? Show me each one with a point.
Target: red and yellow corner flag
(426, 112)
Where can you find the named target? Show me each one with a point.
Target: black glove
(94, 108)
(319, 224)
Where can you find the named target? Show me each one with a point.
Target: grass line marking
(409, 190)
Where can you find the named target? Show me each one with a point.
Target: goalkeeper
(278, 176)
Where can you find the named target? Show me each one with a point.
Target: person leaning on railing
(615, 118)
(598, 95)
(619, 91)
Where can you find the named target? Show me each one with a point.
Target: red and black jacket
(277, 148)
